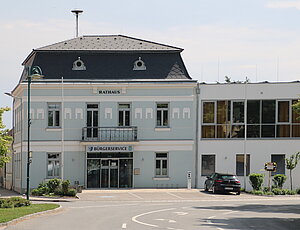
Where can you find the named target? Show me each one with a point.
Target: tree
(296, 108)
(5, 139)
(291, 163)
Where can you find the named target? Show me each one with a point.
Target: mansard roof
(108, 43)
(112, 57)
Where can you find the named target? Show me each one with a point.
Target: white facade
(260, 144)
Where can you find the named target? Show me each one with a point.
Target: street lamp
(21, 101)
(34, 72)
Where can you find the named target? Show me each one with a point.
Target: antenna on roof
(76, 12)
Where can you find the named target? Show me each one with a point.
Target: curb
(14, 221)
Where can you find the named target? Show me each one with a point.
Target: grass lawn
(7, 214)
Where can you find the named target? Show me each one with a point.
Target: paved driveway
(169, 209)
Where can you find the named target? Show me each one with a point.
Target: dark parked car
(221, 182)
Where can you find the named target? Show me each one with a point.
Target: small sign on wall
(137, 171)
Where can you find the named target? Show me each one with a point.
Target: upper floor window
(265, 119)
(162, 114)
(53, 114)
(124, 114)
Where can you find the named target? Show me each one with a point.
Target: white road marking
(134, 219)
(227, 213)
(136, 196)
(175, 195)
(124, 225)
(211, 217)
(181, 213)
(172, 221)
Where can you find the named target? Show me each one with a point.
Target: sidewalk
(4, 193)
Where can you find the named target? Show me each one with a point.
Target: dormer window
(78, 65)
(139, 64)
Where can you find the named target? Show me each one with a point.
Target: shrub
(71, 192)
(298, 191)
(266, 189)
(257, 192)
(277, 191)
(279, 180)
(256, 180)
(13, 202)
(53, 185)
(291, 192)
(65, 185)
(41, 190)
(269, 193)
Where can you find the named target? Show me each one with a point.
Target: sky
(257, 39)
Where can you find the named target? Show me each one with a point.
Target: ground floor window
(280, 161)
(53, 165)
(208, 165)
(240, 167)
(161, 165)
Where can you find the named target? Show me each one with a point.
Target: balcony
(109, 134)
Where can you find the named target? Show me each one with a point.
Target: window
(92, 120)
(283, 119)
(240, 160)
(253, 118)
(53, 114)
(268, 118)
(208, 165)
(161, 165)
(208, 119)
(124, 114)
(162, 115)
(295, 123)
(53, 165)
(280, 161)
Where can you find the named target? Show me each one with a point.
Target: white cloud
(284, 4)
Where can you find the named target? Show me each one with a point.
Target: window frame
(123, 110)
(161, 159)
(54, 110)
(248, 164)
(162, 119)
(214, 170)
(58, 159)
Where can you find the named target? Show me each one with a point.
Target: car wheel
(205, 188)
(238, 193)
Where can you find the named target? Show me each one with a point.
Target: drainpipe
(197, 135)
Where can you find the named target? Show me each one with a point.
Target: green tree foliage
(296, 108)
(291, 163)
(5, 139)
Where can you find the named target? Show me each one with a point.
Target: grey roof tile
(108, 43)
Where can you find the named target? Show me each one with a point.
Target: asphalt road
(169, 209)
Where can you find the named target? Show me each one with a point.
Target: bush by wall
(279, 180)
(54, 187)
(256, 180)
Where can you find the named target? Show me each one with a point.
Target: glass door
(114, 173)
(92, 120)
(93, 173)
(125, 168)
(104, 173)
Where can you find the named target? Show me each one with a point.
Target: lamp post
(34, 72)
(21, 130)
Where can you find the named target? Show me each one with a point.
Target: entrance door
(93, 173)
(92, 121)
(109, 173)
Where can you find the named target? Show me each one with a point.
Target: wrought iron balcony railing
(109, 134)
